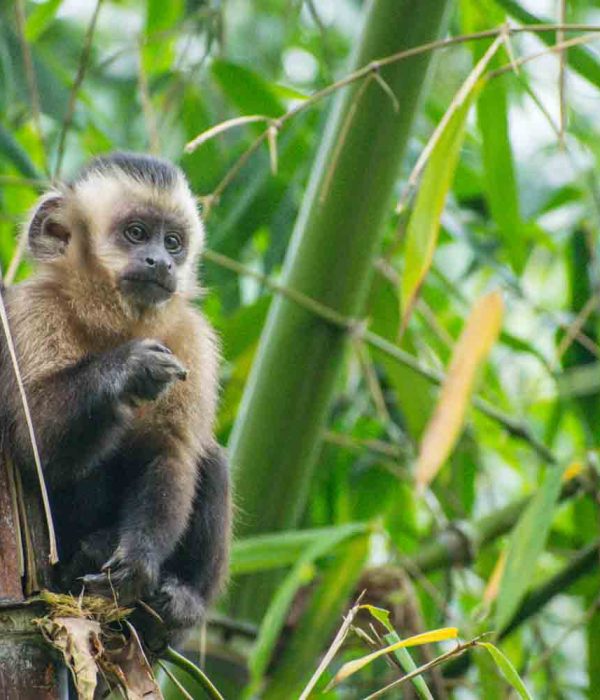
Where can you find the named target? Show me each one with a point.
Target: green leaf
(161, 17)
(424, 224)
(274, 551)
(40, 19)
(301, 573)
(527, 542)
(406, 661)
(382, 616)
(247, 90)
(492, 119)
(337, 583)
(12, 151)
(507, 669)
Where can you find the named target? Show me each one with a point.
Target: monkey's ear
(48, 238)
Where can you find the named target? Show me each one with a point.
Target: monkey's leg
(193, 575)
(196, 544)
(154, 516)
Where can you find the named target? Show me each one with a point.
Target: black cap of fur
(153, 171)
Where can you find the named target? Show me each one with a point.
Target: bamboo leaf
(492, 120)
(40, 19)
(380, 615)
(527, 542)
(423, 226)
(352, 667)
(301, 573)
(327, 604)
(247, 89)
(507, 670)
(438, 161)
(480, 333)
(406, 661)
(404, 658)
(275, 551)
(11, 150)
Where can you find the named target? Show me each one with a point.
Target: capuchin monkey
(120, 372)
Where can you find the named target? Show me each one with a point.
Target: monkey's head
(127, 219)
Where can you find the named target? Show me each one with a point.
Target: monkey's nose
(151, 262)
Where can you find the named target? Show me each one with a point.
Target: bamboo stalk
(336, 237)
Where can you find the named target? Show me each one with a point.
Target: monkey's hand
(151, 368)
(129, 576)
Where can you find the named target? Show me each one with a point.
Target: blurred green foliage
(523, 216)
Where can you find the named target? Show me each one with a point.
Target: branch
(513, 426)
(456, 545)
(582, 563)
(373, 69)
(81, 70)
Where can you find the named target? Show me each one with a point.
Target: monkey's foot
(125, 576)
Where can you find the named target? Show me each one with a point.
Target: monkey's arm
(79, 411)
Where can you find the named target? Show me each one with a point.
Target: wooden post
(29, 668)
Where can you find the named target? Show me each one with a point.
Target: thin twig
(149, 116)
(378, 447)
(81, 70)
(569, 43)
(562, 73)
(209, 200)
(575, 327)
(34, 93)
(374, 67)
(53, 554)
(16, 259)
(333, 648)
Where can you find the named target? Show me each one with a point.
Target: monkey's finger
(167, 368)
(98, 584)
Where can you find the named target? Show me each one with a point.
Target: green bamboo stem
(457, 545)
(276, 437)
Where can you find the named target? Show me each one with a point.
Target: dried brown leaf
(480, 333)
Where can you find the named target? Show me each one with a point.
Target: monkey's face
(128, 219)
(154, 246)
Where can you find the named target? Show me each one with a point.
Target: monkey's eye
(173, 243)
(136, 233)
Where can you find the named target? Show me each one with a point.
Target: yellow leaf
(352, 667)
(493, 585)
(471, 350)
(574, 469)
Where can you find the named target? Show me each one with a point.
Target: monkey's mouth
(147, 290)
